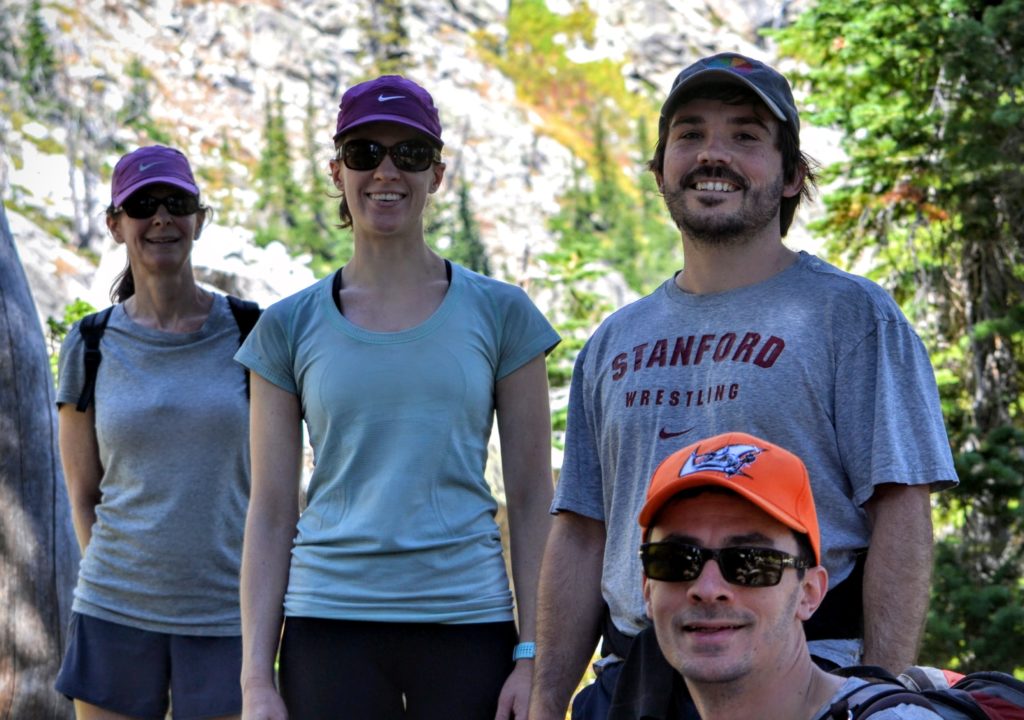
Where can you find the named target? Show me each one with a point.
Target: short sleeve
(579, 488)
(70, 367)
(525, 333)
(267, 350)
(889, 422)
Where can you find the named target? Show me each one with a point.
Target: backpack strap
(874, 697)
(91, 328)
(246, 314)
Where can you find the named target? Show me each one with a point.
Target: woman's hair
(123, 286)
(788, 143)
(344, 214)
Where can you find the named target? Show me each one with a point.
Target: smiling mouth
(385, 197)
(714, 186)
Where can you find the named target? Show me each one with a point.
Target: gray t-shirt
(816, 360)
(899, 712)
(172, 427)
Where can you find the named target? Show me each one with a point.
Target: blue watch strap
(524, 651)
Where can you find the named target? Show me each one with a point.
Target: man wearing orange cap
(732, 629)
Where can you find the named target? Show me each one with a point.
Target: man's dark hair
(787, 142)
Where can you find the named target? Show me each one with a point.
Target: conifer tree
(278, 191)
(386, 37)
(40, 61)
(467, 247)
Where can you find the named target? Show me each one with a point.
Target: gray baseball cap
(766, 82)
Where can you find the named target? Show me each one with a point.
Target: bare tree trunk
(38, 553)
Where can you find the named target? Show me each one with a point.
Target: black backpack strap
(246, 314)
(91, 328)
(874, 697)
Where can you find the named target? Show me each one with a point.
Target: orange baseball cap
(772, 478)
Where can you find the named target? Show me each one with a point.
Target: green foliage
(978, 624)
(930, 99)
(534, 53)
(37, 54)
(135, 111)
(386, 38)
(573, 269)
(454, 233)
(9, 60)
(300, 218)
(57, 330)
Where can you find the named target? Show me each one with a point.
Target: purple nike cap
(389, 98)
(148, 166)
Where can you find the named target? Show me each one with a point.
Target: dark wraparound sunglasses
(142, 206)
(409, 155)
(748, 566)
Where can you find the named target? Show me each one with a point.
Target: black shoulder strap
(246, 314)
(874, 697)
(91, 327)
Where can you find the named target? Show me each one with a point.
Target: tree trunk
(38, 552)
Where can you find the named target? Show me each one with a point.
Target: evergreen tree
(930, 97)
(467, 247)
(278, 192)
(386, 37)
(40, 61)
(9, 62)
(135, 111)
(573, 268)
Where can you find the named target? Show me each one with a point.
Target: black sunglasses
(748, 566)
(142, 206)
(409, 155)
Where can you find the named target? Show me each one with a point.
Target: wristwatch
(524, 651)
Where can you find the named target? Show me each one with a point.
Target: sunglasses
(409, 155)
(142, 206)
(747, 566)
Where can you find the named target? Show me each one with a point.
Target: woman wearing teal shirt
(391, 585)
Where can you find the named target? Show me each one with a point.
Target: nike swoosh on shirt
(385, 98)
(666, 435)
(143, 167)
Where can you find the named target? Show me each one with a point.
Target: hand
(262, 702)
(514, 701)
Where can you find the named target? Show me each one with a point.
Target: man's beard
(759, 207)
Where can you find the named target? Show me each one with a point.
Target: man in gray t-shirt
(750, 336)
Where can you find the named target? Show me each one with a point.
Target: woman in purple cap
(391, 584)
(155, 450)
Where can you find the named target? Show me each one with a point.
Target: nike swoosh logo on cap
(143, 167)
(666, 435)
(385, 98)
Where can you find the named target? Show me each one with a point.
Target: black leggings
(338, 669)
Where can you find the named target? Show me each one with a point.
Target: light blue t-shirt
(399, 523)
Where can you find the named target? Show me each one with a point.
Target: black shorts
(130, 671)
(340, 669)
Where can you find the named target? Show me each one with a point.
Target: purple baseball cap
(389, 98)
(766, 82)
(148, 166)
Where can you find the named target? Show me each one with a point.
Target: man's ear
(794, 186)
(660, 179)
(813, 587)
